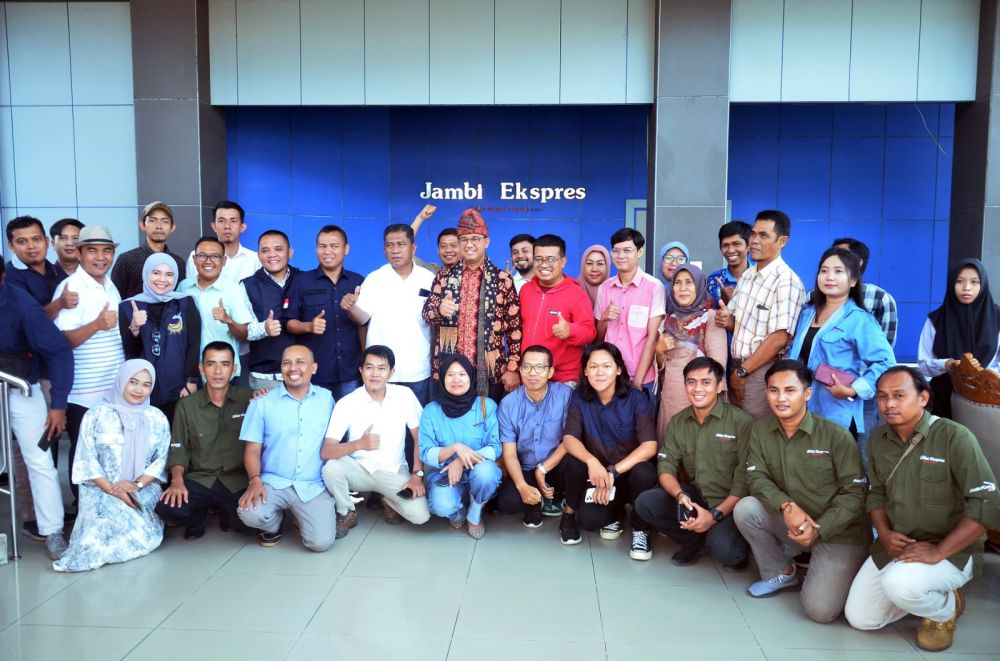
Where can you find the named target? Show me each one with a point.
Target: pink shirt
(638, 302)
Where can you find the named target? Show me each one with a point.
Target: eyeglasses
(208, 257)
(679, 259)
(547, 261)
(156, 343)
(474, 238)
(623, 251)
(533, 369)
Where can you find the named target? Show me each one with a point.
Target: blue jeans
(422, 389)
(478, 484)
(871, 422)
(341, 389)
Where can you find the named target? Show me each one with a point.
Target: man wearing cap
(91, 328)
(157, 223)
(477, 313)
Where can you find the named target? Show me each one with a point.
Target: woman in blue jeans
(459, 445)
(834, 329)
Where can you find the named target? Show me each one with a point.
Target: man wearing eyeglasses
(555, 310)
(375, 418)
(64, 235)
(477, 313)
(630, 307)
(222, 303)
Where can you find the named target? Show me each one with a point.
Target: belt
(267, 377)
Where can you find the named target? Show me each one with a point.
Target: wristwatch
(741, 372)
(614, 471)
(717, 515)
(419, 474)
(138, 484)
(541, 469)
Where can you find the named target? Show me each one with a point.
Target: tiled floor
(410, 593)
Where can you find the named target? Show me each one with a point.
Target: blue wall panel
(877, 172)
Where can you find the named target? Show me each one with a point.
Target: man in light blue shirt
(531, 429)
(283, 432)
(223, 305)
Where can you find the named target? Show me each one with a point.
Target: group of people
(734, 412)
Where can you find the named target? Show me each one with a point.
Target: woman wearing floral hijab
(688, 330)
(120, 463)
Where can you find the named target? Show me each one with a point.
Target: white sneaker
(56, 545)
(613, 530)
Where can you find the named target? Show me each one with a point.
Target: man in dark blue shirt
(316, 312)
(28, 268)
(27, 334)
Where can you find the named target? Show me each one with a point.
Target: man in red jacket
(556, 311)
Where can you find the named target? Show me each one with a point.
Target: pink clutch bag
(824, 374)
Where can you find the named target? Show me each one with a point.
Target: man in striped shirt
(762, 313)
(91, 329)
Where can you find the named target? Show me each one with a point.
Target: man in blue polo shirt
(28, 268)
(318, 313)
(267, 291)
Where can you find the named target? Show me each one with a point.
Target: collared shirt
(766, 301)
(127, 273)
(396, 305)
(25, 328)
(883, 307)
(477, 429)
(819, 468)
(723, 278)
(234, 299)
(39, 286)
(292, 433)
(205, 438)
(944, 479)
(536, 427)
(338, 349)
(398, 411)
(267, 294)
(713, 453)
(611, 431)
(241, 265)
(638, 302)
(97, 360)
(519, 280)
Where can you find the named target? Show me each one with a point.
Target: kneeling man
(807, 490)
(932, 498)
(375, 417)
(282, 435)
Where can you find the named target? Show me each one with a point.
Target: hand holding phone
(405, 494)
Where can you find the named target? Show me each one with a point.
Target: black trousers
(509, 499)
(74, 419)
(725, 543)
(591, 516)
(200, 499)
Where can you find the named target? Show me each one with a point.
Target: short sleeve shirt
(639, 301)
(398, 411)
(234, 299)
(766, 301)
(611, 431)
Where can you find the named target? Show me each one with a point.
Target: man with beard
(157, 223)
(521, 249)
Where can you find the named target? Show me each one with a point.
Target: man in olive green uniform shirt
(807, 490)
(932, 498)
(206, 455)
(709, 441)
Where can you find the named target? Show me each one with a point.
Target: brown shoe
(935, 636)
(392, 517)
(346, 522)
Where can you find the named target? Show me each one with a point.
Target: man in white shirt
(390, 301)
(91, 329)
(375, 418)
(228, 223)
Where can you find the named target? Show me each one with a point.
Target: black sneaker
(532, 519)
(30, 530)
(569, 531)
(640, 549)
(192, 533)
(268, 539)
(687, 555)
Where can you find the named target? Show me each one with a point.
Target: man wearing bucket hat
(157, 223)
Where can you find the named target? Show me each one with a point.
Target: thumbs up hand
(319, 323)
(561, 328)
(611, 312)
(272, 326)
(723, 317)
(349, 299)
(219, 313)
(68, 299)
(369, 440)
(107, 319)
(448, 306)
(139, 318)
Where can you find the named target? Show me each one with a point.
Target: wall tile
(754, 119)
(527, 51)
(912, 317)
(264, 174)
(38, 52)
(948, 50)
(939, 261)
(8, 186)
(43, 156)
(4, 62)
(806, 119)
(816, 50)
(333, 52)
(885, 35)
(641, 53)
(753, 176)
(101, 51)
(910, 177)
(942, 196)
(222, 51)
(856, 178)
(756, 50)
(868, 232)
(316, 171)
(408, 175)
(366, 177)
(804, 178)
(467, 79)
(267, 55)
(593, 38)
(607, 174)
(120, 220)
(105, 155)
(167, 150)
(912, 119)
(555, 161)
(701, 148)
(397, 64)
(808, 241)
(907, 250)
(859, 119)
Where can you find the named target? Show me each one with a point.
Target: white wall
(67, 129)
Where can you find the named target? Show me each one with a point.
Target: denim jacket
(850, 340)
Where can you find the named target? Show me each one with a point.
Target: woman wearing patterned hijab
(120, 463)
(688, 330)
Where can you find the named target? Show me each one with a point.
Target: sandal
(476, 530)
(457, 524)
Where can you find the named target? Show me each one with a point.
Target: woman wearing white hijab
(120, 463)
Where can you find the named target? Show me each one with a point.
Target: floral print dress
(107, 530)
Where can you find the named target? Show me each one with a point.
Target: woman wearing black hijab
(967, 322)
(459, 445)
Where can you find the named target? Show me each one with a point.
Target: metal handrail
(7, 381)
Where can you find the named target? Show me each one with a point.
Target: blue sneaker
(773, 585)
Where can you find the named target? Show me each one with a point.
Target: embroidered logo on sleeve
(662, 455)
(752, 467)
(988, 487)
(927, 459)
